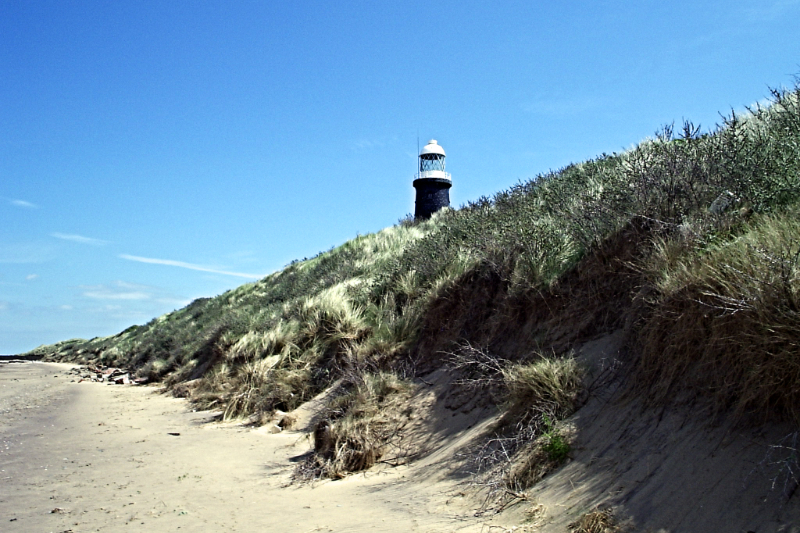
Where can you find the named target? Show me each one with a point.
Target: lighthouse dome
(432, 148)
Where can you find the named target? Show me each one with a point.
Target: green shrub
(554, 443)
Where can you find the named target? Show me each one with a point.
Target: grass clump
(529, 441)
(547, 450)
(360, 426)
(540, 395)
(724, 322)
(549, 385)
(596, 521)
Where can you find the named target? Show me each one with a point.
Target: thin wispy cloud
(118, 291)
(31, 277)
(121, 299)
(79, 239)
(107, 295)
(23, 203)
(190, 266)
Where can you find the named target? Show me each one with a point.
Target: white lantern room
(431, 162)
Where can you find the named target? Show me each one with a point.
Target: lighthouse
(431, 182)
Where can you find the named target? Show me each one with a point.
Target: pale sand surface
(96, 457)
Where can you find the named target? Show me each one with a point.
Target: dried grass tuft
(362, 424)
(529, 442)
(596, 521)
(550, 385)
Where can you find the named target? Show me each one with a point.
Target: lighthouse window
(434, 163)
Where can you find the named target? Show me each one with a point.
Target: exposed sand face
(97, 457)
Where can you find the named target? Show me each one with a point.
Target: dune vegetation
(688, 242)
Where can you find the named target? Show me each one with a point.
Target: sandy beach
(83, 456)
(97, 457)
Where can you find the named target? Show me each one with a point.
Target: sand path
(93, 457)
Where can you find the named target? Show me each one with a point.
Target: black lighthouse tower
(432, 182)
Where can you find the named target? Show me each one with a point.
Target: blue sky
(155, 152)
